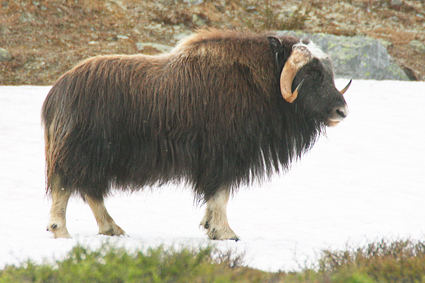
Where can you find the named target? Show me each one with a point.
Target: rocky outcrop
(5, 55)
(356, 57)
(418, 46)
(145, 47)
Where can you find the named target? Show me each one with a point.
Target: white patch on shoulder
(314, 50)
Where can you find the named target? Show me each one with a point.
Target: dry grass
(384, 261)
(47, 37)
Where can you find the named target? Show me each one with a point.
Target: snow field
(364, 181)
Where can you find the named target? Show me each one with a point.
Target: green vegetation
(112, 264)
(399, 261)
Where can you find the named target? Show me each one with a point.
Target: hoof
(219, 233)
(58, 231)
(213, 234)
(113, 231)
(222, 233)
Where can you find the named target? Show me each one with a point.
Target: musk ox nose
(341, 111)
(337, 115)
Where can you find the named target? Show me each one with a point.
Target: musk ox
(222, 109)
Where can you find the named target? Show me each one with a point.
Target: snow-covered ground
(363, 182)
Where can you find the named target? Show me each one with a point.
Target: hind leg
(215, 219)
(60, 197)
(107, 225)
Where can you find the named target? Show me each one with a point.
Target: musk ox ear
(278, 50)
(300, 56)
(275, 43)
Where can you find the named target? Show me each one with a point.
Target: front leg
(215, 219)
(107, 225)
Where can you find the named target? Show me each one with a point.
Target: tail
(50, 119)
(47, 114)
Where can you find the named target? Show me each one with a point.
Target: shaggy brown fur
(138, 120)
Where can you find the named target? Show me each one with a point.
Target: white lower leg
(57, 223)
(215, 219)
(107, 225)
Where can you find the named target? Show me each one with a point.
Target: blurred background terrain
(42, 39)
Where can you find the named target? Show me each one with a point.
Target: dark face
(318, 98)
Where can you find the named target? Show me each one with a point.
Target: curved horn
(299, 57)
(346, 87)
